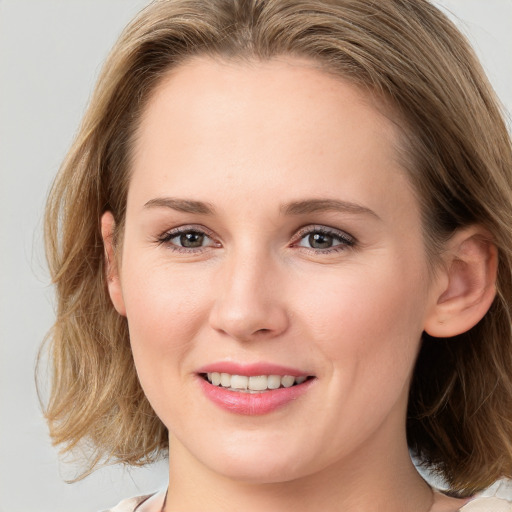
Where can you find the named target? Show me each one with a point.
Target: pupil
(320, 241)
(191, 239)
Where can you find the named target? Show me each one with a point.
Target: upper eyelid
(164, 239)
(309, 228)
(304, 229)
(187, 228)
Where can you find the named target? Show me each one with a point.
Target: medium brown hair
(455, 147)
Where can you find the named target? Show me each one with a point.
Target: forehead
(257, 126)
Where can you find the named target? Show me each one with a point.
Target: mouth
(253, 388)
(255, 383)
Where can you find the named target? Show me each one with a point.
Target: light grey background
(50, 54)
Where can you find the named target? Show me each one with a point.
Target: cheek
(370, 320)
(165, 310)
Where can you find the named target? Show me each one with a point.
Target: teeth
(288, 381)
(273, 381)
(253, 383)
(258, 383)
(239, 381)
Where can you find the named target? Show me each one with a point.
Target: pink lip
(251, 369)
(252, 403)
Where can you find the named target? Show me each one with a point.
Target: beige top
(490, 504)
(147, 503)
(154, 503)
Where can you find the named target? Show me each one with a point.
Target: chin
(261, 473)
(258, 462)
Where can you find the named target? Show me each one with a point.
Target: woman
(282, 247)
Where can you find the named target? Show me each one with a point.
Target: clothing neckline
(156, 502)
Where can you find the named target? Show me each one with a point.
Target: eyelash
(345, 241)
(165, 238)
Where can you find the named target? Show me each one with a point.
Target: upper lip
(252, 369)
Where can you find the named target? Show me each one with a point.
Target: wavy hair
(455, 147)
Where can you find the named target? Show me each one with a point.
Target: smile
(254, 383)
(253, 389)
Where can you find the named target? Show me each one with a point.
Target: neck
(380, 476)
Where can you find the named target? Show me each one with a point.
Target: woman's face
(271, 233)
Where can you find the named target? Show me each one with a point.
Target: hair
(455, 147)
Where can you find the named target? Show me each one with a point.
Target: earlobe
(467, 286)
(111, 263)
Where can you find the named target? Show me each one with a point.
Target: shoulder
(497, 498)
(130, 504)
(488, 504)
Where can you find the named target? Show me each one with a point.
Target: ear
(466, 283)
(108, 225)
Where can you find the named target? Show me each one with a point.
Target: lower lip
(252, 404)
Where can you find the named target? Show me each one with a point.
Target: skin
(247, 140)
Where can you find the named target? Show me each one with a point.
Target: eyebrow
(305, 206)
(325, 205)
(181, 205)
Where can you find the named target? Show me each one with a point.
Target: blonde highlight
(458, 155)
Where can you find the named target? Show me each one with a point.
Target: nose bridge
(247, 303)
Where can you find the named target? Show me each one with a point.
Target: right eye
(190, 239)
(187, 239)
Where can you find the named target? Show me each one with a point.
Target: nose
(249, 301)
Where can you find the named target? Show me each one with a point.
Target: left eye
(320, 239)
